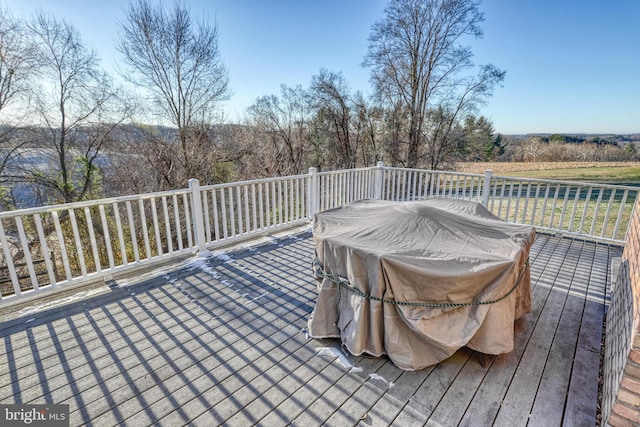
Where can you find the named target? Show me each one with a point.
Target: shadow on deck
(221, 340)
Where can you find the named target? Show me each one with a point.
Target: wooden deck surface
(221, 340)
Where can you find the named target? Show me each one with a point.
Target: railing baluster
(216, 219)
(587, 202)
(244, 203)
(526, 204)
(132, 231)
(293, 199)
(9, 261)
(45, 249)
(223, 212)
(123, 247)
(239, 209)
(605, 222)
(407, 186)
(495, 191)
(297, 206)
(167, 225)
(544, 204)
(473, 188)
(254, 214)
(62, 245)
(176, 218)
(506, 216)
(576, 200)
(596, 212)
(280, 208)
(156, 227)
(187, 218)
(504, 183)
(285, 206)
(246, 212)
(144, 227)
(553, 205)
(414, 178)
(564, 206)
(232, 212)
(77, 242)
(107, 237)
(535, 205)
(92, 240)
(204, 198)
(623, 202)
(268, 200)
(515, 210)
(261, 205)
(26, 253)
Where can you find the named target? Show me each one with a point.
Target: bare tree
(283, 121)
(533, 149)
(368, 127)
(78, 110)
(17, 65)
(417, 62)
(332, 103)
(178, 62)
(17, 59)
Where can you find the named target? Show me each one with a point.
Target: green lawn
(605, 175)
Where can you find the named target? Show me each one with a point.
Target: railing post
(486, 188)
(312, 200)
(196, 212)
(379, 182)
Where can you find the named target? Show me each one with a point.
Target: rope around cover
(344, 284)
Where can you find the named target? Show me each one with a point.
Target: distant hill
(583, 137)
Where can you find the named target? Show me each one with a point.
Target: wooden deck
(221, 341)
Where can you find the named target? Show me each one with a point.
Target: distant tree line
(70, 133)
(567, 148)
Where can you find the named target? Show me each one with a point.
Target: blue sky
(572, 65)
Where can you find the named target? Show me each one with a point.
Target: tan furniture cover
(438, 251)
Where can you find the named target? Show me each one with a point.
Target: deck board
(488, 399)
(548, 407)
(222, 340)
(583, 387)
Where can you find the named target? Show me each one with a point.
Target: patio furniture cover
(419, 280)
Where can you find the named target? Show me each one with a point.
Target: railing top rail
(133, 197)
(252, 181)
(572, 183)
(89, 203)
(475, 175)
(349, 170)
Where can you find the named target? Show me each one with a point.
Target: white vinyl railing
(595, 211)
(54, 246)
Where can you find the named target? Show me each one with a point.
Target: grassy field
(599, 172)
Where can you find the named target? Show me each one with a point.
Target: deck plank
(515, 408)
(454, 403)
(391, 403)
(361, 403)
(221, 339)
(428, 396)
(548, 407)
(583, 387)
(487, 401)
